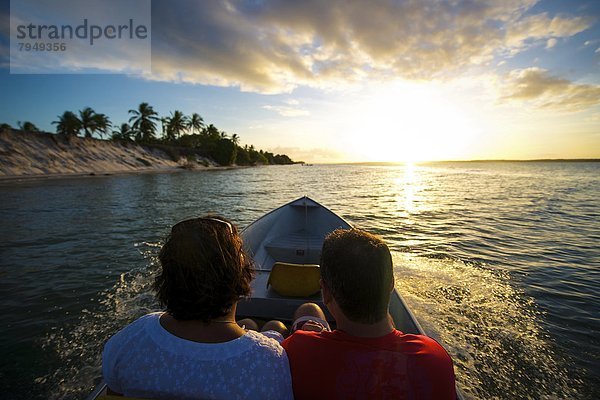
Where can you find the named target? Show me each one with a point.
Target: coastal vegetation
(179, 136)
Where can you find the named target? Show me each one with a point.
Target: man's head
(356, 268)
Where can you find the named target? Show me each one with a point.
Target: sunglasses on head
(203, 220)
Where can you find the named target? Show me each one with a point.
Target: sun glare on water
(411, 122)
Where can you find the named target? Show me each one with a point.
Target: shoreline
(26, 156)
(35, 156)
(100, 174)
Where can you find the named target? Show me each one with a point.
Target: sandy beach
(38, 155)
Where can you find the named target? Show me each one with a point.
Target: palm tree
(177, 123)
(196, 123)
(212, 132)
(88, 123)
(68, 124)
(223, 135)
(101, 124)
(27, 126)
(123, 133)
(144, 122)
(235, 139)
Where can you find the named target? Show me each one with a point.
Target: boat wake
(78, 349)
(492, 330)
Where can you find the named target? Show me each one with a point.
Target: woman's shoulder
(128, 338)
(143, 321)
(269, 365)
(136, 327)
(263, 344)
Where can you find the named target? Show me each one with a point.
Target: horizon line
(454, 161)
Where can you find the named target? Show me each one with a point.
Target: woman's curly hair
(204, 269)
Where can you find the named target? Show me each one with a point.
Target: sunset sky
(337, 81)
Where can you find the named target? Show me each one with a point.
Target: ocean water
(499, 261)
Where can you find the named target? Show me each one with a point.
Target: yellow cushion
(295, 280)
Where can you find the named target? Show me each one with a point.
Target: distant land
(25, 154)
(40, 154)
(152, 142)
(384, 163)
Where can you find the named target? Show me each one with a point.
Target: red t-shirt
(335, 365)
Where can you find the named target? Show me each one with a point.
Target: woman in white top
(196, 350)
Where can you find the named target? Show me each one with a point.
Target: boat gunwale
(289, 204)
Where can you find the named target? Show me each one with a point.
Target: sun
(410, 122)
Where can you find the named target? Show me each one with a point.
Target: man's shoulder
(418, 346)
(303, 337)
(375, 365)
(412, 338)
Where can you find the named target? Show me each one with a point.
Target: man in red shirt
(365, 357)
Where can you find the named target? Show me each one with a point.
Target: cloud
(591, 42)
(551, 43)
(287, 111)
(540, 26)
(273, 46)
(537, 86)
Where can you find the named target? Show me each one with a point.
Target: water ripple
(499, 261)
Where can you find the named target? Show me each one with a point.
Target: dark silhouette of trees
(212, 132)
(177, 123)
(224, 152)
(123, 133)
(68, 124)
(182, 135)
(26, 126)
(101, 124)
(196, 123)
(144, 122)
(86, 119)
(89, 121)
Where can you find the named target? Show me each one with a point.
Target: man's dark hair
(205, 269)
(357, 268)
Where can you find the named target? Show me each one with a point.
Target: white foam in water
(80, 348)
(491, 329)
